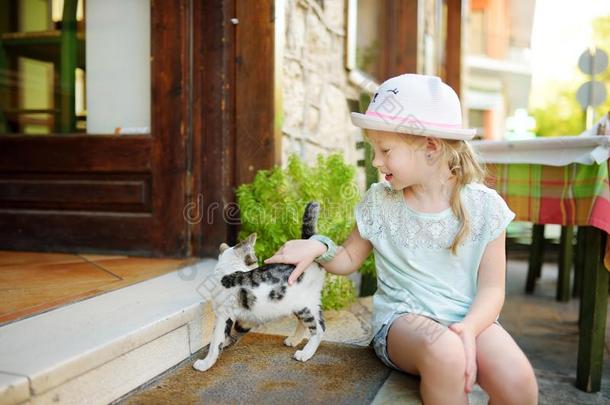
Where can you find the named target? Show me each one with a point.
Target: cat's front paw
(202, 365)
(302, 355)
(292, 341)
(228, 341)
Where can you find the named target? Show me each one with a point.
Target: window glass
(70, 66)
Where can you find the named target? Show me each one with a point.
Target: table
(564, 181)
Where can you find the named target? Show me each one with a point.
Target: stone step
(351, 325)
(99, 349)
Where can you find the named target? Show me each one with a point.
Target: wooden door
(108, 193)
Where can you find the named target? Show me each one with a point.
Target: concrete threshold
(97, 350)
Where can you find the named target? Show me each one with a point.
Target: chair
(565, 260)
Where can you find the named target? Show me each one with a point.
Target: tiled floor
(32, 282)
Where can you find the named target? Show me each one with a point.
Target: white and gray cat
(254, 295)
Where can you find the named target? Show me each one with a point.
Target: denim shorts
(380, 341)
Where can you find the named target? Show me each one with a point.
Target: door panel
(108, 193)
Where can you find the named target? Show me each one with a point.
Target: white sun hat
(415, 104)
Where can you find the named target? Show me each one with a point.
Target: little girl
(438, 237)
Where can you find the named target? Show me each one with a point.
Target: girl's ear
(432, 145)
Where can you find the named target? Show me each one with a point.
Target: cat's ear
(251, 240)
(223, 247)
(247, 247)
(246, 243)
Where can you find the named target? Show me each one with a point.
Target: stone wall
(315, 85)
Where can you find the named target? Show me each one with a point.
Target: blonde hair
(463, 164)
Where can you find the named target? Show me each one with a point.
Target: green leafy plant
(338, 292)
(273, 205)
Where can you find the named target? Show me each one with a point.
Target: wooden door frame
(213, 175)
(399, 26)
(454, 44)
(235, 132)
(400, 40)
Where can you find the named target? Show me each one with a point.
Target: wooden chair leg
(535, 260)
(579, 255)
(594, 305)
(368, 285)
(565, 263)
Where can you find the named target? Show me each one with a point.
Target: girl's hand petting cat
(300, 252)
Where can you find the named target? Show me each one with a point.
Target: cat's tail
(310, 219)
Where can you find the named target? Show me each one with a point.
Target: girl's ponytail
(466, 169)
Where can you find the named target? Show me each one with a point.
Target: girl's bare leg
(502, 367)
(421, 346)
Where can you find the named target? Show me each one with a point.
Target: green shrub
(338, 292)
(273, 205)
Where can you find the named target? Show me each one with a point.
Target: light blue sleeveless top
(416, 271)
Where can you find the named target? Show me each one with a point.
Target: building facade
(497, 63)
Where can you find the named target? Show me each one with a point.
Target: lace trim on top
(391, 218)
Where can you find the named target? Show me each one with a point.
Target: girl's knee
(525, 378)
(420, 345)
(501, 386)
(523, 375)
(445, 354)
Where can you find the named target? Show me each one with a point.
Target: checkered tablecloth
(574, 194)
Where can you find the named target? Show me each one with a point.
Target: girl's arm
(489, 299)
(350, 255)
(302, 252)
